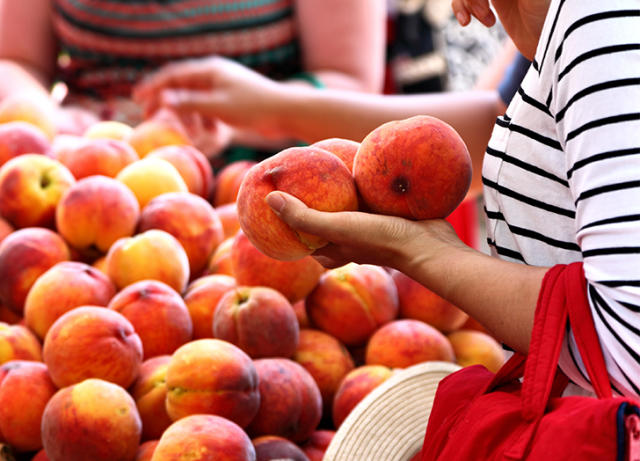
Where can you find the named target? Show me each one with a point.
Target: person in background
(101, 48)
(560, 181)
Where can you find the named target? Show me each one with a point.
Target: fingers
(184, 100)
(464, 9)
(302, 218)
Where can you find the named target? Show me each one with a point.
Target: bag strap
(546, 341)
(563, 296)
(584, 331)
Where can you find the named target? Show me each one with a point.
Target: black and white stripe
(562, 171)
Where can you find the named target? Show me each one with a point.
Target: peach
(344, 149)
(153, 254)
(25, 389)
(204, 438)
(354, 387)
(100, 264)
(18, 138)
(158, 315)
(402, 343)
(228, 181)
(294, 279)
(95, 212)
(191, 220)
(419, 303)
(30, 110)
(211, 376)
(71, 284)
(259, 320)
(290, 401)
(149, 177)
(300, 309)
(154, 133)
(108, 129)
(270, 447)
(313, 175)
(317, 444)
(98, 157)
(63, 144)
(95, 420)
(8, 316)
(220, 261)
(326, 359)
(473, 324)
(31, 186)
(474, 347)
(417, 168)
(25, 255)
(146, 450)
(193, 166)
(228, 214)
(352, 301)
(150, 393)
(41, 456)
(92, 342)
(5, 229)
(18, 343)
(202, 297)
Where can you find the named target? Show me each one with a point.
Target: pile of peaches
(153, 310)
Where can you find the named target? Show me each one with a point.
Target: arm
(27, 48)
(501, 295)
(343, 42)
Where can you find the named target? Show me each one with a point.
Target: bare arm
(500, 294)
(343, 42)
(27, 47)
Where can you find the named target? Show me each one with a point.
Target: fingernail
(276, 202)
(462, 18)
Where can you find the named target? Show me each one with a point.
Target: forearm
(20, 78)
(499, 294)
(315, 115)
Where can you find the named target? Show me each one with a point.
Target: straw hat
(389, 423)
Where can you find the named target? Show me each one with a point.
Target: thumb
(300, 217)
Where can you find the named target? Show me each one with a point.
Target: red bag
(477, 415)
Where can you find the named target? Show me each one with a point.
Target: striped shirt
(107, 45)
(562, 171)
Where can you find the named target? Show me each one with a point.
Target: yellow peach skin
(26, 109)
(154, 254)
(151, 134)
(18, 343)
(204, 438)
(31, 185)
(191, 220)
(148, 178)
(192, 165)
(92, 420)
(92, 342)
(71, 284)
(150, 393)
(475, 347)
(211, 376)
(109, 129)
(318, 178)
(25, 255)
(25, 389)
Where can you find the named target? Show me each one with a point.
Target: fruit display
(153, 310)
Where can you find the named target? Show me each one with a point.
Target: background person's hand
(208, 134)
(522, 19)
(214, 87)
(367, 238)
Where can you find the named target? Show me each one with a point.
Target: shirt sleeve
(595, 100)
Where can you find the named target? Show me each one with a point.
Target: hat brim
(390, 422)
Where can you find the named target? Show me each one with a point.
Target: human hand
(522, 19)
(209, 135)
(214, 87)
(367, 238)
